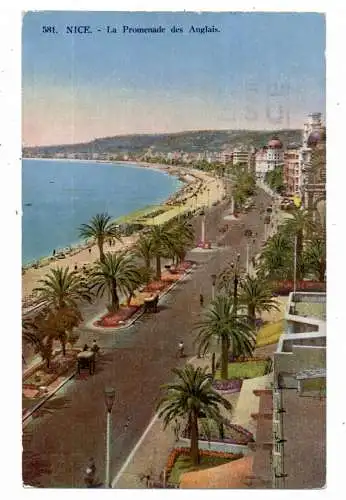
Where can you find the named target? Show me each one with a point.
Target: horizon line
(148, 134)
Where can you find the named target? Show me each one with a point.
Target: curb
(44, 400)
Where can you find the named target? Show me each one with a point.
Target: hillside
(190, 141)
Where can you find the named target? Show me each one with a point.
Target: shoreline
(199, 190)
(78, 246)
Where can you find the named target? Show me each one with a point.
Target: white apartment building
(269, 157)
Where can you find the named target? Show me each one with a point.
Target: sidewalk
(150, 456)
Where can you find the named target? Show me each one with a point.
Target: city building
(314, 172)
(244, 157)
(268, 158)
(292, 175)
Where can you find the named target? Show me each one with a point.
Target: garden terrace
(246, 369)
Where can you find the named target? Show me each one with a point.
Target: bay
(60, 195)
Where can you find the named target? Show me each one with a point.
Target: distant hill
(189, 142)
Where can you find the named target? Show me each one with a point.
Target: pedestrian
(90, 471)
(75, 267)
(54, 252)
(89, 250)
(201, 300)
(95, 348)
(181, 349)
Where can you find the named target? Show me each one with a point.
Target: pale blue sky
(260, 71)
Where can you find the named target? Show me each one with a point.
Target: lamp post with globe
(109, 401)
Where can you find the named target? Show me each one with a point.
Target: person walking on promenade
(201, 300)
(90, 471)
(180, 353)
(95, 348)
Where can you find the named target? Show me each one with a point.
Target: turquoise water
(64, 194)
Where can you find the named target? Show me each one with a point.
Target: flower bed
(178, 462)
(113, 319)
(43, 378)
(228, 386)
(204, 244)
(156, 286)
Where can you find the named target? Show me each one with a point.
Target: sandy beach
(210, 190)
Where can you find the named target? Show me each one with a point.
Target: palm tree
(144, 249)
(116, 273)
(300, 223)
(315, 257)
(191, 397)
(276, 260)
(233, 331)
(61, 290)
(162, 241)
(100, 228)
(257, 296)
(181, 238)
(37, 333)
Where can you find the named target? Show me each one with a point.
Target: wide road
(70, 428)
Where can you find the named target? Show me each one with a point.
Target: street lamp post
(232, 205)
(248, 235)
(236, 282)
(213, 283)
(203, 229)
(295, 266)
(109, 400)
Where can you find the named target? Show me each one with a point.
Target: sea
(59, 195)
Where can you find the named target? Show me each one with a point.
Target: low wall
(301, 358)
(216, 446)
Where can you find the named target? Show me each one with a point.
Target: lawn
(269, 334)
(246, 369)
(183, 464)
(136, 214)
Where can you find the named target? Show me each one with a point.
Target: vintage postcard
(174, 250)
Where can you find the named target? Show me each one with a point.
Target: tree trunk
(224, 358)
(115, 298)
(322, 271)
(252, 314)
(299, 253)
(194, 452)
(100, 245)
(129, 299)
(158, 267)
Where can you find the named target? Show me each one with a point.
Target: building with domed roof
(268, 158)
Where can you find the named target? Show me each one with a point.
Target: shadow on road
(51, 406)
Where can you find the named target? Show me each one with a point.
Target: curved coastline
(197, 184)
(74, 247)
